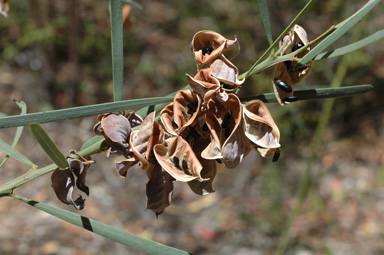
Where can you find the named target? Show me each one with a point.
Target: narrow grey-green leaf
(133, 4)
(311, 94)
(79, 112)
(9, 150)
(19, 130)
(352, 47)
(117, 48)
(23, 106)
(114, 234)
(341, 29)
(143, 112)
(266, 21)
(48, 145)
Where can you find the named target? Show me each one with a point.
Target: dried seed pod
(159, 190)
(208, 45)
(143, 140)
(182, 113)
(203, 82)
(293, 41)
(209, 169)
(226, 72)
(177, 147)
(116, 129)
(260, 128)
(63, 183)
(63, 180)
(141, 143)
(227, 143)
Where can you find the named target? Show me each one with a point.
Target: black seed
(191, 111)
(276, 156)
(176, 161)
(192, 105)
(227, 86)
(218, 161)
(206, 50)
(193, 133)
(225, 124)
(226, 119)
(192, 136)
(288, 64)
(297, 46)
(283, 86)
(301, 68)
(184, 165)
(174, 124)
(290, 99)
(227, 132)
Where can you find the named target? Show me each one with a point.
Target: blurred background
(57, 54)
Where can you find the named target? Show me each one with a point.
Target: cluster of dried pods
(200, 128)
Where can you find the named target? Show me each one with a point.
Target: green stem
(5, 193)
(273, 60)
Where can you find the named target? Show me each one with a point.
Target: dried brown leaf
(260, 128)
